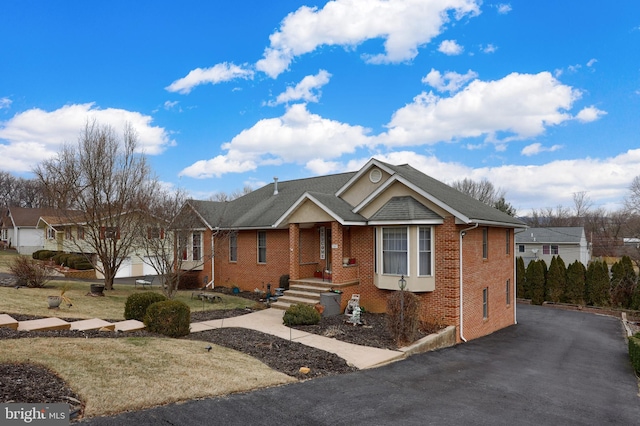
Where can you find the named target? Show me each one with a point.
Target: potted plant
(97, 289)
(55, 301)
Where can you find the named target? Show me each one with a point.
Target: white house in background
(568, 242)
(18, 229)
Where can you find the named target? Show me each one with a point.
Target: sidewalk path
(270, 321)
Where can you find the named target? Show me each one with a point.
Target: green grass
(33, 301)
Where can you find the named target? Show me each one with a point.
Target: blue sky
(542, 98)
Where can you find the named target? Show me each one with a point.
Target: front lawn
(33, 301)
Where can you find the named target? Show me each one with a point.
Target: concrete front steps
(54, 323)
(307, 291)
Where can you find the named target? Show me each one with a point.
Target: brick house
(361, 232)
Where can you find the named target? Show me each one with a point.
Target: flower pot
(97, 289)
(54, 301)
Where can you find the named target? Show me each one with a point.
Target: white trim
(431, 250)
(361, 172)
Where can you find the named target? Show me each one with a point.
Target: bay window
(394, 251)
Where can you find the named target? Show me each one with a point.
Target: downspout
(462, 234)
(515, 271)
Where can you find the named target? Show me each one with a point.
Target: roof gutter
(462, 234)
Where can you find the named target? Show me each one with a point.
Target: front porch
(308, 290)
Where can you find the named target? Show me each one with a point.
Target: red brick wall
(492, 273)
(441, 305)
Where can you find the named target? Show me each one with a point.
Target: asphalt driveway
(554, 368)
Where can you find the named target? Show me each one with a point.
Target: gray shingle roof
(560, 235)
(404, 209)
(262, 208)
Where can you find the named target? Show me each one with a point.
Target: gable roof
(406, 209)
(264, 208)
(25, 217)
(559, 235)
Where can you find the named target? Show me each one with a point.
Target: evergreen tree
(556, 281)
(623, 282)
(575, 289)
(522, 290)
(601, 288)
(535, 281)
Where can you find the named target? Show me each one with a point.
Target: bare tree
(223, 196)
(109, 186)
(582, 204)
(482, 191)
(158, 242)
(632, 201)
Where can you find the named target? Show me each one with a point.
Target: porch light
(402, 283)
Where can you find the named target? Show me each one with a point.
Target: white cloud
(307, 90)
(297, 137)
(217, 74)
(537, 148)
(449, 82)
(450, 47)
(5, 103)
(504, 8)
(489, 48)
(589, 114)
(34, 135)
(533, 186)
(592, 62)
(169, 105)
(405, 25)
(519, 105)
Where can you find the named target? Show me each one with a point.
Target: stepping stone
(92, 324)
(129, 325)
(8, 321)
(43, 324)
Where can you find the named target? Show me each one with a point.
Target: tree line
(595, 285)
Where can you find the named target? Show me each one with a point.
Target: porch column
(294, 251)
(336, 253)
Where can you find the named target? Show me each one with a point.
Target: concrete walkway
(269, 321)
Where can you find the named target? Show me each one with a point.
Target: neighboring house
(361, 233)
(62, 235)
(18, 229)
(568, 242)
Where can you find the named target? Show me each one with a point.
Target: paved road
(554, 368)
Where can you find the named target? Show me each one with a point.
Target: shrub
(402, 316)
(137, 304)
(29, 272)
(301, 314)
(171, 318)
(189, 280)
(83, 266)
(634, 351)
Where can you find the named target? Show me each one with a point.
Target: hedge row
(634, 351)
(70, 260)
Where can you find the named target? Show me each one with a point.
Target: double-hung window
(485, 303)
(485, 243)
(233, 247)
(395, 251)
(550, 249)
(196, 244)
(424, 251)
(262, 247)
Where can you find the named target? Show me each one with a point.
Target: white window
(3, 234)
(262, 247)
(51, 233)
(485, 243)
(424, 252)
(549, 249)
(485, 303)
(233, 247)
(196, 245)
(395, 257)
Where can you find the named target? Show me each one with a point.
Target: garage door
(125, 269)
(147, 269)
